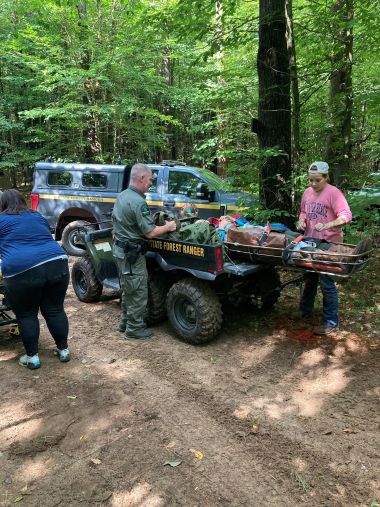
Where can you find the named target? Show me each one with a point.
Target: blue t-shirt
(25, 241)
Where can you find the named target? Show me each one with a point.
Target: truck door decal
(60, 197)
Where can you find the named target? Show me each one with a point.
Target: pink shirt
(322, 207)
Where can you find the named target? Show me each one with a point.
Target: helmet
(160, 217)
(188, 211)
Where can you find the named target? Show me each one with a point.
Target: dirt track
(264, 416)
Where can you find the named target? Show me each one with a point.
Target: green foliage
(302, 483)
(365, 219)
(149, 81)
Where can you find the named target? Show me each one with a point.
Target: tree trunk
(296, 110)
(274, 122)
(296, 106)
(220, 123)
(339, 146)
(169, 151)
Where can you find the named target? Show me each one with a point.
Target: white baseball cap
(319, 167)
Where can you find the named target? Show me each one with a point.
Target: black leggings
(41, 288)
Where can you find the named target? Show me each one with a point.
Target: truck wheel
(85, 284)
(71, 238)
(267, 289)
(157, 291)
(194, 311)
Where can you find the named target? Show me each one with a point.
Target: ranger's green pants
(134, 300)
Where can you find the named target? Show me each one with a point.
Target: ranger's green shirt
(131, 216)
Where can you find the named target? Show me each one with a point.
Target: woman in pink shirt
(324, 210)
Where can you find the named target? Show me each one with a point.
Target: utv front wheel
(194, 311)
(85, 284)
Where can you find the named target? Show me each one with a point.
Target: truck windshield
(215, 181)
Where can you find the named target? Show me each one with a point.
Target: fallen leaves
(197, 454)
(255, 428)
(173, 463)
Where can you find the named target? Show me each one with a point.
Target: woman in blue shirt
(35, 276)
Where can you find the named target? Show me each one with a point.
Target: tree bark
(296, 106)
(220, 122)
(339, 145)
(169, 151)
(274, 116)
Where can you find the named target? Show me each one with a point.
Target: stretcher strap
(265, 234)
(288, 250)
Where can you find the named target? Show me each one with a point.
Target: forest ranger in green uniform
(132, 226)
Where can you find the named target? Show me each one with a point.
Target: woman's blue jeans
(330, 297)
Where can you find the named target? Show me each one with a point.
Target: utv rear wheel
(71, 237)
(157, 291)
(85, 284)
(194, 311)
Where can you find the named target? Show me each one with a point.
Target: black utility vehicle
(187, 282)
(71, 195)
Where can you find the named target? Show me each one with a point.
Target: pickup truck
(188, 283)
(70, 195)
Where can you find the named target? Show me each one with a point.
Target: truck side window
(183, 183)
(94, 180)
(59, 179)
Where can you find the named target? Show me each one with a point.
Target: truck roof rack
(171, 163)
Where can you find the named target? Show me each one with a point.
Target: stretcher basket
(341, 265)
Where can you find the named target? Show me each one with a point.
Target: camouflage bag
(200, 231)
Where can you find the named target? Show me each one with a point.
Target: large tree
(274, 115)
(339, 144)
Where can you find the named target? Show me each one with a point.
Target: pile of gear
(274, 243)
(189, 227)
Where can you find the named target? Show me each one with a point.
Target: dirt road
(266, 415)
